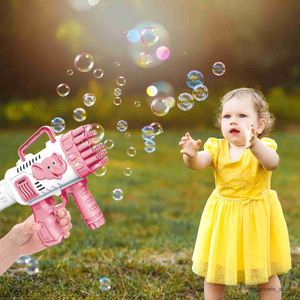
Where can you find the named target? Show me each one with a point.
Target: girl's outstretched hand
(250, 136)
(189, 146)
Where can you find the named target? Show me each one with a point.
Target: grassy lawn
(145, 247)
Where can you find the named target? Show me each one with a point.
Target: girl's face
(237, 114)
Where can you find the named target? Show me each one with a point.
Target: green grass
(146, 244)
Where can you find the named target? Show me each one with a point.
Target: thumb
(30, 227)
(188, 135)
(199, 143)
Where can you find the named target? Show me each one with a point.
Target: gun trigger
(64, 199)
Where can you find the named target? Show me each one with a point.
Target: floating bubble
(170, 101)
(137, 103)
(200, 92)
(146, 137)
(24, 259)
(157, 128)
(105, 284)
(162, 53)
(117, 101)
(117, 92)
(218, 68)
(93, 2)
(70, 72)
(63, 90)
(84, 62)
(127, 134)
(127, 171)
(97, 131)
(185, 101)
(149, 148)
(117, 194)
(58, 124)
(144, 59)
(88, 99)
(101, 171)
(159, 108)
(109, 144)
(122, 125)
(149, 36)
(194, 78)
(79, 114)
(117, 63)
(131, 151)
(152, 90)
(133, 35)
(32, 267)
(121, 81)
(148, 130)
(98, 73)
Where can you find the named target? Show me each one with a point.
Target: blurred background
(258, 41)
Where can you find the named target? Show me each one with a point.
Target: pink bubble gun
(59, 169)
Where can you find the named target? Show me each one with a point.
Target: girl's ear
(261, 125)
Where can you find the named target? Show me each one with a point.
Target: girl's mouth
(234, 131)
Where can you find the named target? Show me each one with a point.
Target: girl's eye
(226, 116)
(243, 115)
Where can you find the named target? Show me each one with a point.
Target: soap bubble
(159, 108)
(58, 124)
(133, 35)
(127, 171)
(149, 36)
(127, 134)
(144, 59)
(162, 53)
(88, 99)
(98, 73)
(117, 92)
(122, 125)
(84, 62)
(63, 90)
(157, 128)
(70, 72)
(101, 171)
(137, 103)
(200, 92)
(131, 151)
(109, 144)
(218, 68)
(96, 130)
(117, 101)
(25, 259)
(146, 137)
(149, 148)
(117, 63)
(79, 114)
(194, 78)
(32, 267)
(117, 194)
(185, 101)
(170, 101)
(148, 130)
(152, 90)
(105, 284)
(121, 81)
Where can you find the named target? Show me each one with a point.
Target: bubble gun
(59, 169)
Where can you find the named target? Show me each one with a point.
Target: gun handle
(86, 204)
(43, 211)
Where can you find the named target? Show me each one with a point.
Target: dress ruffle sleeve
(211, 146)
(270, 143)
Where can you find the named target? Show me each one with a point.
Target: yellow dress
(243, 236)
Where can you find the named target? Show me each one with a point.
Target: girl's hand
(24, 235)
(189, 146)
(250, 136)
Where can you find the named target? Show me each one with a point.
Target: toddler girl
(243, 236)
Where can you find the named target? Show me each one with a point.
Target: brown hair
(260, 104)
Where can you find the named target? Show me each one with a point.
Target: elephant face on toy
(50, 168)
